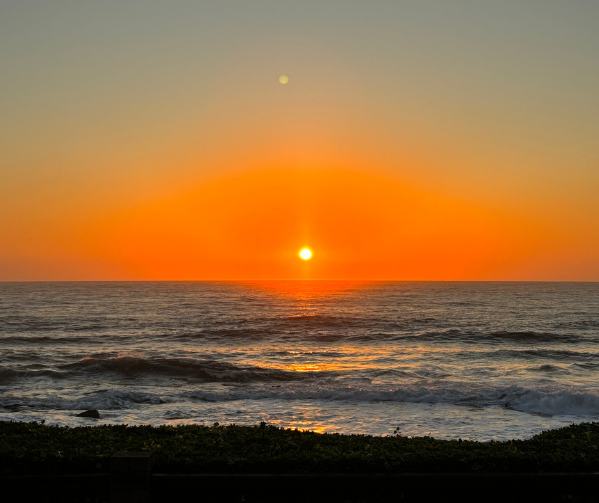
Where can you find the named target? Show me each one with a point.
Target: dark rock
(90, 413)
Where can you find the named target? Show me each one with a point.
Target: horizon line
(297, 280)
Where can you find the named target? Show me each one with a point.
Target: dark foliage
(34, 448)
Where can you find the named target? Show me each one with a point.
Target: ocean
(471, 360)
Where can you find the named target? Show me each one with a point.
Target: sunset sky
(414, 140)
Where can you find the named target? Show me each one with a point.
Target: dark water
(470, 360)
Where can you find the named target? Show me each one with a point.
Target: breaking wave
(206, 370)
(550, 403)
(100, 400)
(581, 403)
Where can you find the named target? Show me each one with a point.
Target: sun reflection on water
(308, 289)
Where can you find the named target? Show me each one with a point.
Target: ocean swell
(206, 370)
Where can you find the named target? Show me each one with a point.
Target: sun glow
(362, 226)
(305, 253)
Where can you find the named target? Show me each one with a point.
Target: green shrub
(37, 448)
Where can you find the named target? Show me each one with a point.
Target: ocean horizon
(464, 359)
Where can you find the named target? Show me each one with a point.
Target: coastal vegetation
(36, 448)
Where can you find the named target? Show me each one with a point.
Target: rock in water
(90, 413)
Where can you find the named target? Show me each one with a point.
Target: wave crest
(206, 370)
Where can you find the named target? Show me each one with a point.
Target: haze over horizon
(412, 140)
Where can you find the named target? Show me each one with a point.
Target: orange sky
(359, 226)
(251, 224)
(413, 141)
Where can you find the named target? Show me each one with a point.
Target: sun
(305, 253)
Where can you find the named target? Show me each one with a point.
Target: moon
(283, 79)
